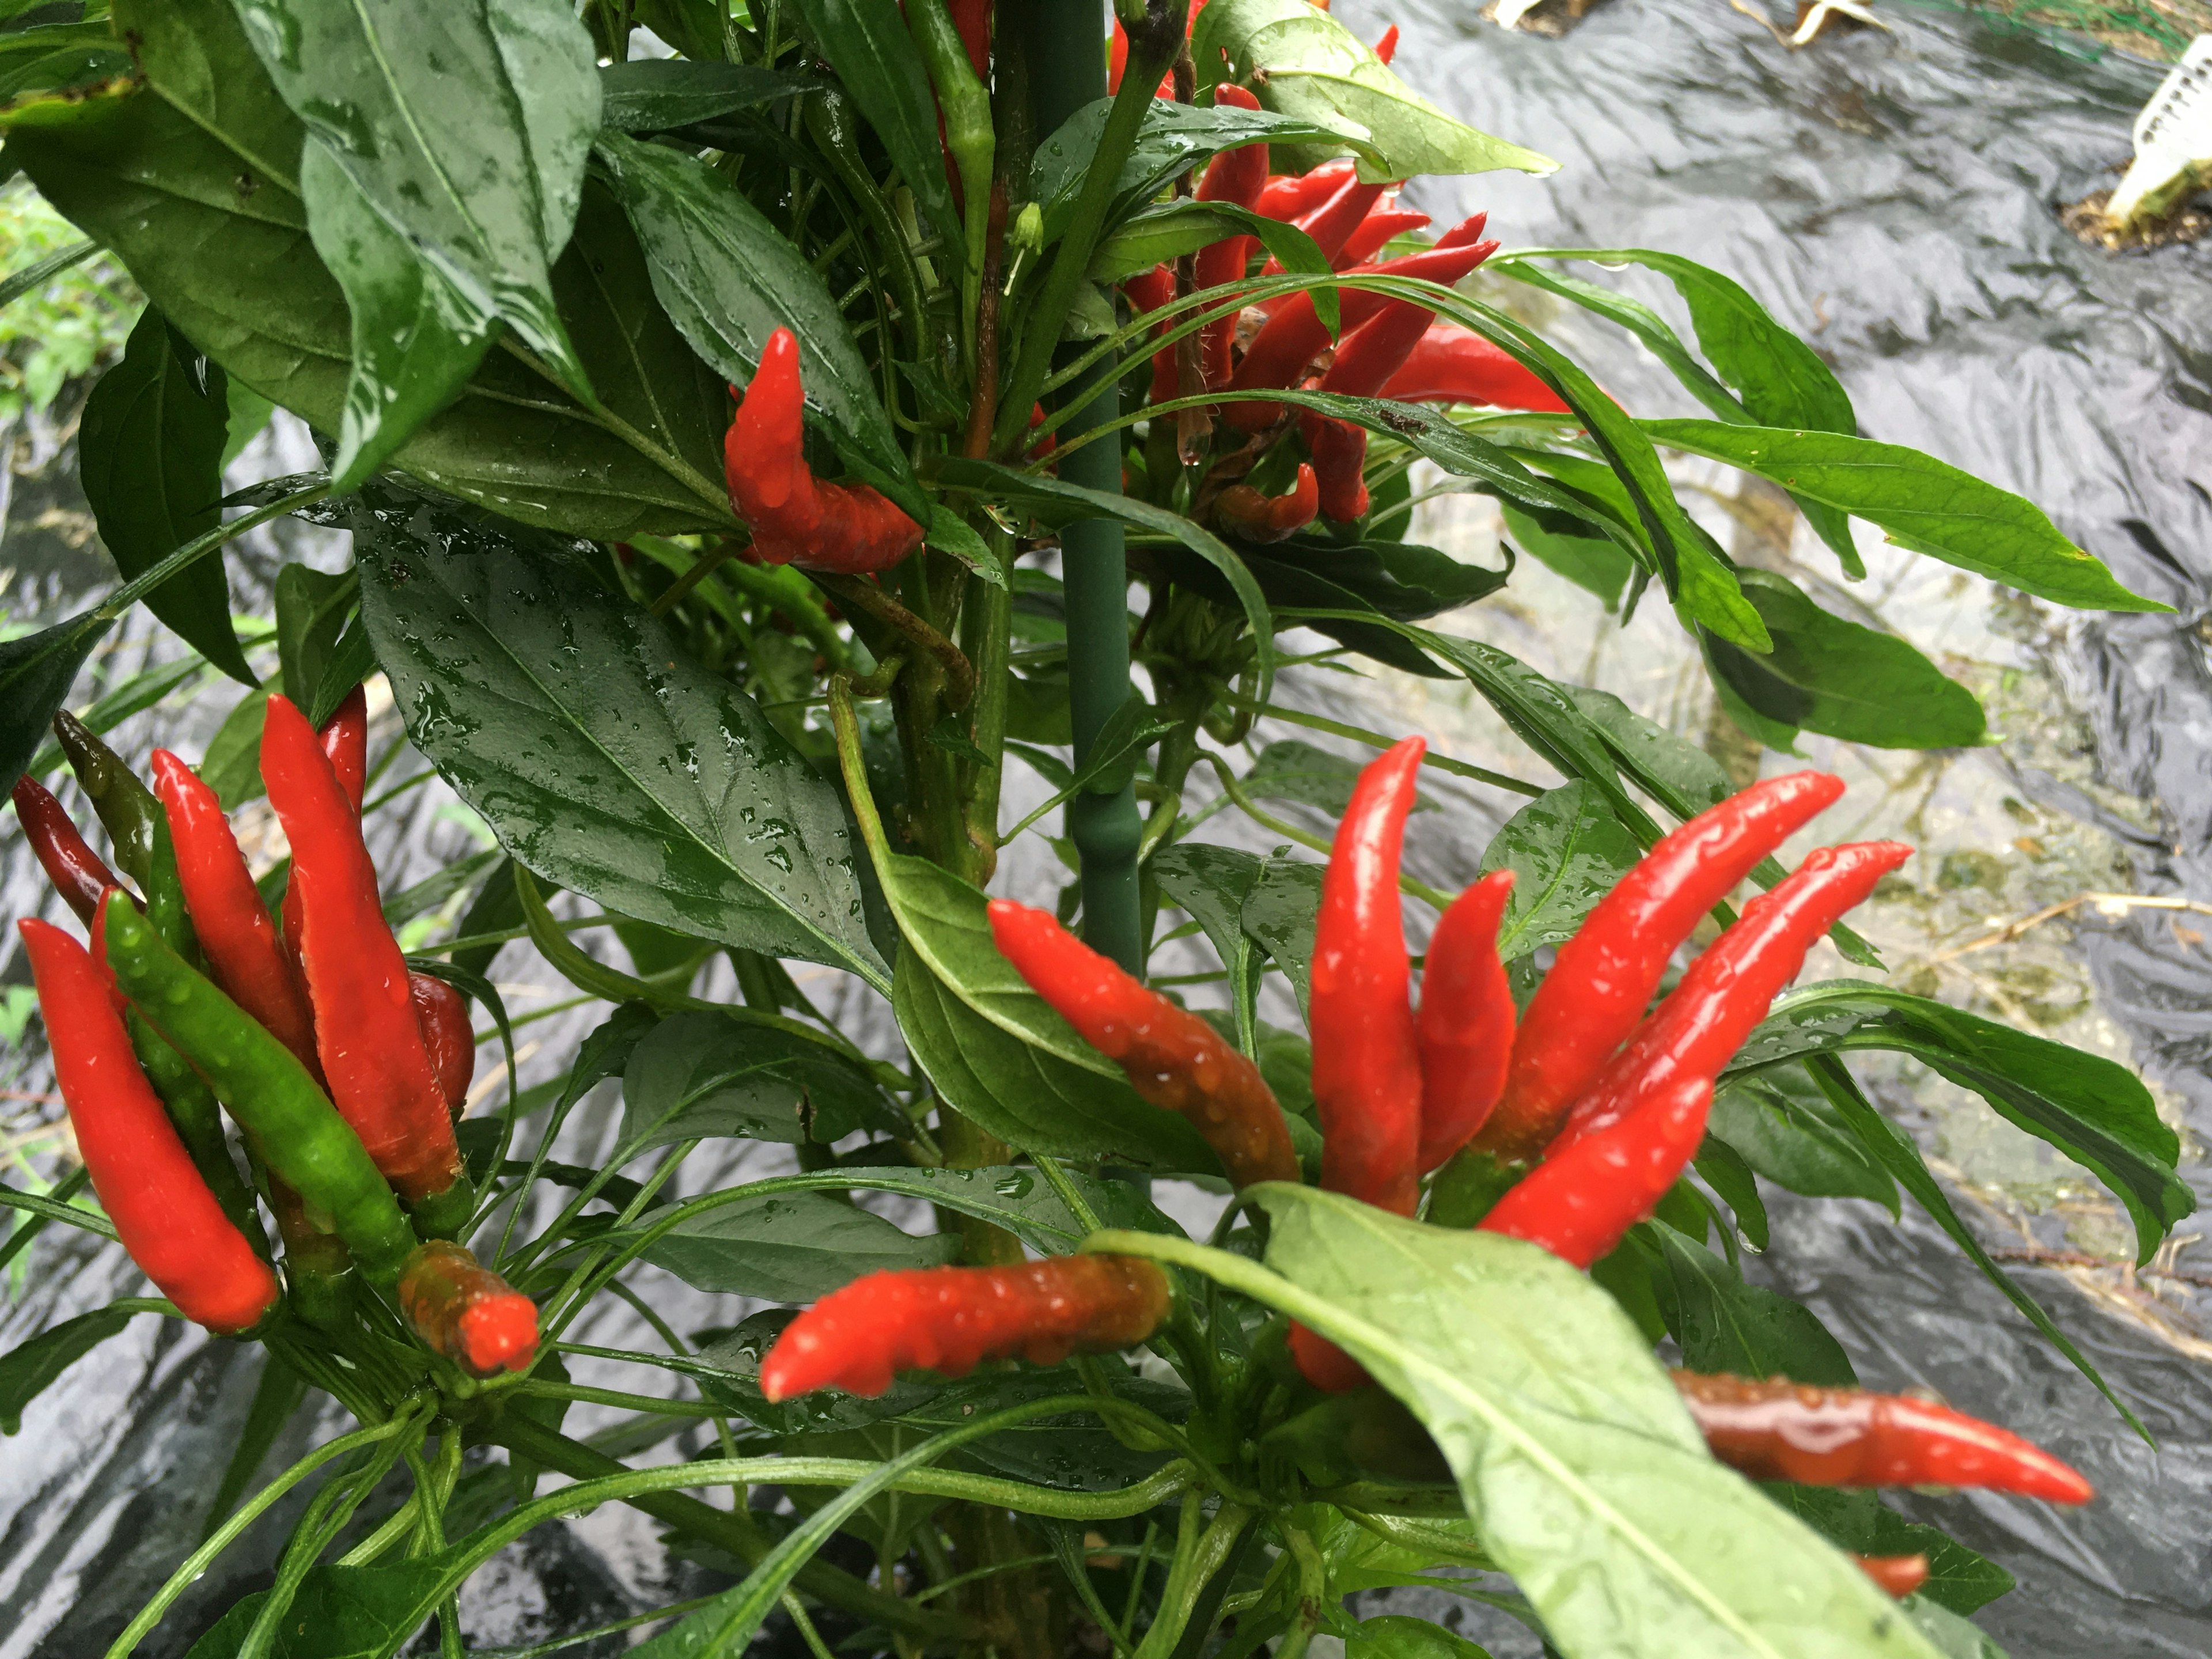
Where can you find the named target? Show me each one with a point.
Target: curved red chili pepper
(1235, 175)
(467, 1312)
(1578, 1202)
(795, 518)
(1174, 1058)
(1335, 219)
(1454, 365)
(345, 742)
(78, 874)
(1466, 1021)
(1258, 517)
(1375, 233)
(163, 1211)
(1784, 1430)
(1289, 195)
(1897, 1575)
(948, 1320)
(1148, 291)
(1339, 461)
(236, 935)
(1324, 1364)
(1603, 978)
(1727, 990)
(372, 1050)
(1386, 47)
(1366, 1055)
(442, 1014)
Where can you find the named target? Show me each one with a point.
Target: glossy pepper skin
(78, 872)
(1289, 195)
(1375, 232)
(162, 1210)
(1238, 176)
(465, 1311)
(1897, 1575)
(1148, 291)
(1258, 518)
(1727, 989)
(1465, 1026)
(1366, 1051)
(1603, 977)
(1455, 365)
(442, 1013)
(1578, 1203)
(1784, 1430)
(345, 744)
(950, 1320)
(127, 809)
(235, 932)
(1173, 1058)
(366, 1032)
(285, 1114)
(795, 518)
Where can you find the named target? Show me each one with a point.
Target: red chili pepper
(1148, 292)
(795, 518)
(1375, 233)
(1174, 1058)
(380, 1073)
(1578, 1202)
(1238, 175)
(1728, 989)
(1294, 334)
(1603, 977)
(1386, 47)
(1784, 1430)
(78, 872)
(235, 933)
(1466, 1021)
(1339, 461)
(1899, 1575)
(1235, 175)
(1335, 219)
(1258, 517)
(1324, 1364)
(442, 1013)
(345, 742)
(1454, 365)
(467, 1312)
(1289, 195)
(972, 19)
(163, 1211)
(948, 1320)
(1366, 1056)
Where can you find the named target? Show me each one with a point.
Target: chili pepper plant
(758, 427)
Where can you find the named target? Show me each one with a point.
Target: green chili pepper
(191, 1107)
(126, 807)
(292, 1122)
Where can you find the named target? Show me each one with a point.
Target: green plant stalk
(829, 122)
(968, 135)
(986, 638)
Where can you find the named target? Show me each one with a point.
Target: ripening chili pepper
(1289, 195)
(1465, 1025)
(1454, 365)
(371, 1046)
(467, 1312)
(344, 738)
(1324, 1364)
(1897, 1575)
(1294, 334)
(162, 1210)
(972, 18)
(795, 518)
(1727, 990)
(1339, 461)
(126, 807)
(1238, 176)
(1335, 219)
(1148, 292)
(1784, 1430)
(1603, 977)
(235, 932)
(1258, 517)
(77, 872)
(1366, 1056)
(1174, 1059)
(288, 1119)
(1375, 233)
(1386, 47)
(1578, 1202)
(442, 1013)
(948, 1320)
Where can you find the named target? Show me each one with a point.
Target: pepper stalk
(969, 138)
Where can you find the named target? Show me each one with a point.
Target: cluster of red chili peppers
(1590, 1105)
(344, 1072)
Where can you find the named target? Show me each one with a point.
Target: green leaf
(2092, 1110)
(1212, 884)
(27, 1370)
(580, 731)
(1920, 502)
(1732, 1182)
(151, 450)
(439, 189)
(1957, 1578)
(1566, 850)
(1724, 1324)
(791, 1246)
(1297, 771)
(1591, 562)
(996, 1051)
(1279, 914)
(1059, 503)
(873, 55)
(232, 765)
(734, 1381)
(1302, 62)
(1572, 1448)
(312, 609)
(52, 73)
(1184, 225)
(1953, 1637)
(277, 1397)
(36, 672)
(1843, 680)
(658, 94)
(1397, 1636)
(1783, 1128)
(696, 1075)
(729, 279)
(352, 660)
(1020, 1200)
(336, 1612)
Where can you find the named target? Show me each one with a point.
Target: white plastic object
(2173, 141)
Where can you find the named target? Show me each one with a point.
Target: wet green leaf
(1781, 1128)
(699, 1074)
(791, 1246)
(1279, 913)
(36, 672)
(873, 55)
(1959, 1579)
(658, 94)
(1724, 1324)
(1566, 850)
(1212, 884)
(1591, 562)
(28, 1368)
